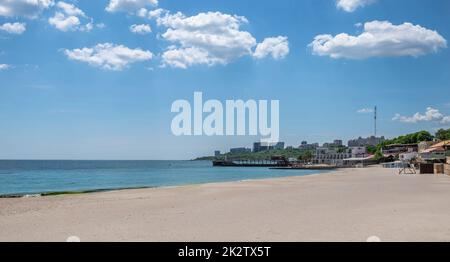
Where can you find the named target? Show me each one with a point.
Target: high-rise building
(335, 143)
(260, 146)
(369, 141)
(240, 150)
(338, 142)
(278, 146)
(306, 146)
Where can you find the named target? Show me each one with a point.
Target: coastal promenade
(343, 205)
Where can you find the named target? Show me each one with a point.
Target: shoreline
(75, 192)
(342, 205)
(100, 190)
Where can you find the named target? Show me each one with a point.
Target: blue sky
(77, 83)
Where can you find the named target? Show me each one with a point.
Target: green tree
(413, 138)
(423, 136)
(378, 154)
(371, 149)
(443, 134)
(306, 156)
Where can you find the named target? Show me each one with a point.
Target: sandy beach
(344, 205)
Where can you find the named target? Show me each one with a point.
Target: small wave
(31, 195)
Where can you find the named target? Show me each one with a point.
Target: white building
(331, 156)
(358, 151)
(408, 156)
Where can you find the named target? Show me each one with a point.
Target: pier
(307, 167)
(274, 162)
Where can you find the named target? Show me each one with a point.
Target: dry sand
(346, 205)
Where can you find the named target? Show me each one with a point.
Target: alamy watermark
(237, 117)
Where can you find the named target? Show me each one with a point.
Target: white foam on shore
(31, 195)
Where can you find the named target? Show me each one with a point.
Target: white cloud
(129, 6)
(87, 27)
(4, 67)
(68, 18)
(277, 47)
(151, 14)
(13, 28)
(445, 120)
(70, 9)
(24, 8)
(185, 57)
(63, 22)
(431, 114)
(380, 39)
(365, 110)
(210, 38)
(140, 29)
(109, 56)
(352, 5)
(207, 38)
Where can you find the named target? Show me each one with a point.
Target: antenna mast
(375, 120)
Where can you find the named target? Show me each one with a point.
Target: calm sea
(19, 177)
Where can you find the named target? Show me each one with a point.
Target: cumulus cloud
(70, 9)
(365, 111)
(109, 56)
(212, 38)
(431, 114)
(380, 39)
(130, 6)
(445, 120)
(207, 38)
(185, 57)
(24, 8)
(64, 23)
(151, 14)
(141, 29)
(277, 47)
(13, 28)
(4, 67)
(352, 5)
(69, 17)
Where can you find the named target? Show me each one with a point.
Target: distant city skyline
(305, 145)
(96, 79)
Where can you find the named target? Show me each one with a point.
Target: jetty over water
(277, 162)
(273, 162)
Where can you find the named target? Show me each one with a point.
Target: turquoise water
(18, 177)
